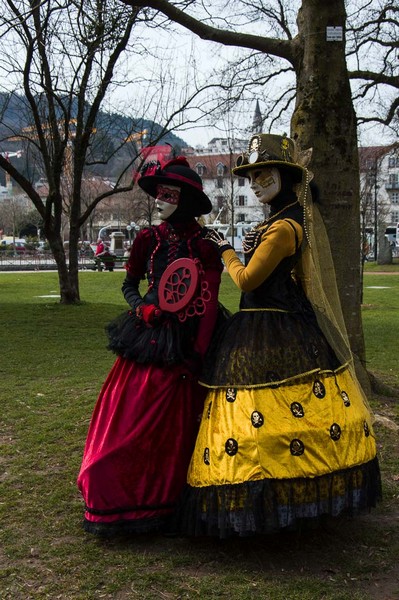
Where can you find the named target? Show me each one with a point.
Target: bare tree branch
(281, 48)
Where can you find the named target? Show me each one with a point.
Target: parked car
(11, 245)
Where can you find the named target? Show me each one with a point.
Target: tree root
(381, 387)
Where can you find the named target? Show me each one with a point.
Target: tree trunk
(324, 119)
(68, 279)
(74, 236)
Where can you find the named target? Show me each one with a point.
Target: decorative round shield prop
(178, 285)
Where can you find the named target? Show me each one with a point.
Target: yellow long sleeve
(278, 241)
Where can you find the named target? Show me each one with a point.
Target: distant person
(103, 251)
(286, 435)
(144, 425)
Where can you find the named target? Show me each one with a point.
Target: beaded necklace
(266, 221)
(252, 237)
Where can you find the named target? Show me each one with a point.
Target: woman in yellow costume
(286, 434)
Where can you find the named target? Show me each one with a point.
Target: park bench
(100, 263)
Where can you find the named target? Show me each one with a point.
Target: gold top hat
(266, 150)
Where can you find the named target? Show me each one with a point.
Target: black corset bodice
(280, 290)
(163, 252)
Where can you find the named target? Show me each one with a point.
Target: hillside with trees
(112, 130)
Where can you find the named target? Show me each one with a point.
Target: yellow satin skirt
(298, 430)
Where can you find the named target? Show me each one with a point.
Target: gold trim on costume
(289, 380)
(264, 310)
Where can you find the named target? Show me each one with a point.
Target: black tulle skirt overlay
(285, 435)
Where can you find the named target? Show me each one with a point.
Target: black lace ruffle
(269, 505)
(124, 527)
(265, 347)
(166, 343)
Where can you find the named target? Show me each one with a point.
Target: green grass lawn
(381, 324)
(374, 267)
(53, 362)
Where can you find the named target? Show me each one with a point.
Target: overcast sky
(176, 49)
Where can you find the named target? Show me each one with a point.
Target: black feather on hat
(177, 172)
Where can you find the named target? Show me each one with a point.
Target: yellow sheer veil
(316, 272)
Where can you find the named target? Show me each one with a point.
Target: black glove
(130, 289)
(218, 240)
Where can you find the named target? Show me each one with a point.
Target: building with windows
(379, 192)
(231, 196)
(392, 186)
(233, 201)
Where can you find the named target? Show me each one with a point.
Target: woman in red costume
(144, 424)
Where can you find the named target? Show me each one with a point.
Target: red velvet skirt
(139, 445)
